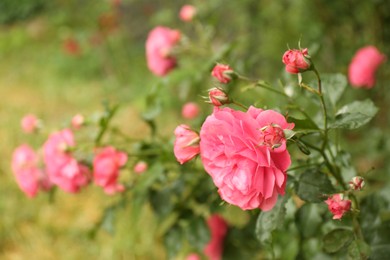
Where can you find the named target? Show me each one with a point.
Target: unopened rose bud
(30, 123)
(223, 73)
(218, 97)
(77, 121)
(187, 13)
(357, 183)
(297, 61)
(140, 167)
(186, 145)
(190, 110)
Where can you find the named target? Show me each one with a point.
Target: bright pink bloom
(193, 256)
(62, 168)
(25, 167)
(187, 13)
(338, 206)
(222, 73)
(190, 110)
(159, 46)
(218, 97)
(361, 71)
(296, 61)
(218, 229)
(77, 121)
(247, 172)
(106, 165)
(29, 123)
(140, 167)
(186, 144)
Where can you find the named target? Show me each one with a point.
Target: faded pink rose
(218, 97)
(159, 46)
(187, 13)
(361, 71)
(296, 61)
(61, 167)
(106, 165)
(29, 123)
(77, 121)
(248, 173)
(193, 256)
(190, 110)
(29, 176)
(338, 205)
(218, 229)
(140, 167)
(186, 144)
(222, 73)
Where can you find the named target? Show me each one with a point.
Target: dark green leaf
(313, 185)
(197, 233)
(380, 252)
(337, 239)
(358, 249)
(355, 114)
(173, 241)
(308, 220)
(302, 147)
(268, 221)
(333, 86)
(302, 124)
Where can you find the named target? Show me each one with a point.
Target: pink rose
(218, 229)
(222, 73)
(186, 144)
(361, 71)
(159, 46)
(62, 168)
(106, 165)
(218, 97)
(296, 61)
(247, 171)
(28, 176)
(187, 13)
(77, 121)
(190, 110)
(193, 256)
(29, 123)
(140, 167)
(338, 206)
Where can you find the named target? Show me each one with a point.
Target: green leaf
(358, 249)
(308, 220)
(355, 115)
(337, 239)
(333, 86)
(302, 124)
(380, 252)
(268, 221)
(197, 233)
(313, 185)
(173, 241)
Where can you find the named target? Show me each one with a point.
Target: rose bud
(218, 97)
(222, 72)
(297, 61)
(357, 183)
(338, 205)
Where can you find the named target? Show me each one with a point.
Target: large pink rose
(296, 61)
(218, 229)
(159, 46)
(62, 168)
(361, 71)
(235, 147)
(29, 176)
(186, 144)
(106, 165)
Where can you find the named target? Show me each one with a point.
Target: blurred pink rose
(247, 172)
(159, 46)
(193, 256)
(222, 73)
(29, 123)
(296, 61)
(71, 47)
(190, 110)
(218, 229)
(361, 71)
(25, 167)
(218, 97)
(140, 167)
(338, 206)
(187, 13)
(186, 144)
(77, 121)
(106, 165)
(62, 168)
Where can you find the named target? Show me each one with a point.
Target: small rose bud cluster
(338, 205)
(357, 183)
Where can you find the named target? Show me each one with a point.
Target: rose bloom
(190, 110)
(62, 168)
(296, 61)
(218, 97)
(28, 176)
(361, 71)
(221, 73)
(338, 206)
(140, 167)
(218, 229)
(29, 123)
(247, 172)
(187, 13)
(106, 165)
(186, 145)
(159, 46)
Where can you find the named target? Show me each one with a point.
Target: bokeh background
(62, 57)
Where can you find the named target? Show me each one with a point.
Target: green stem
(239, 104)
(262, 85)
(324, 110)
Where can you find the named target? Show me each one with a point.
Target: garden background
(63, 57)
